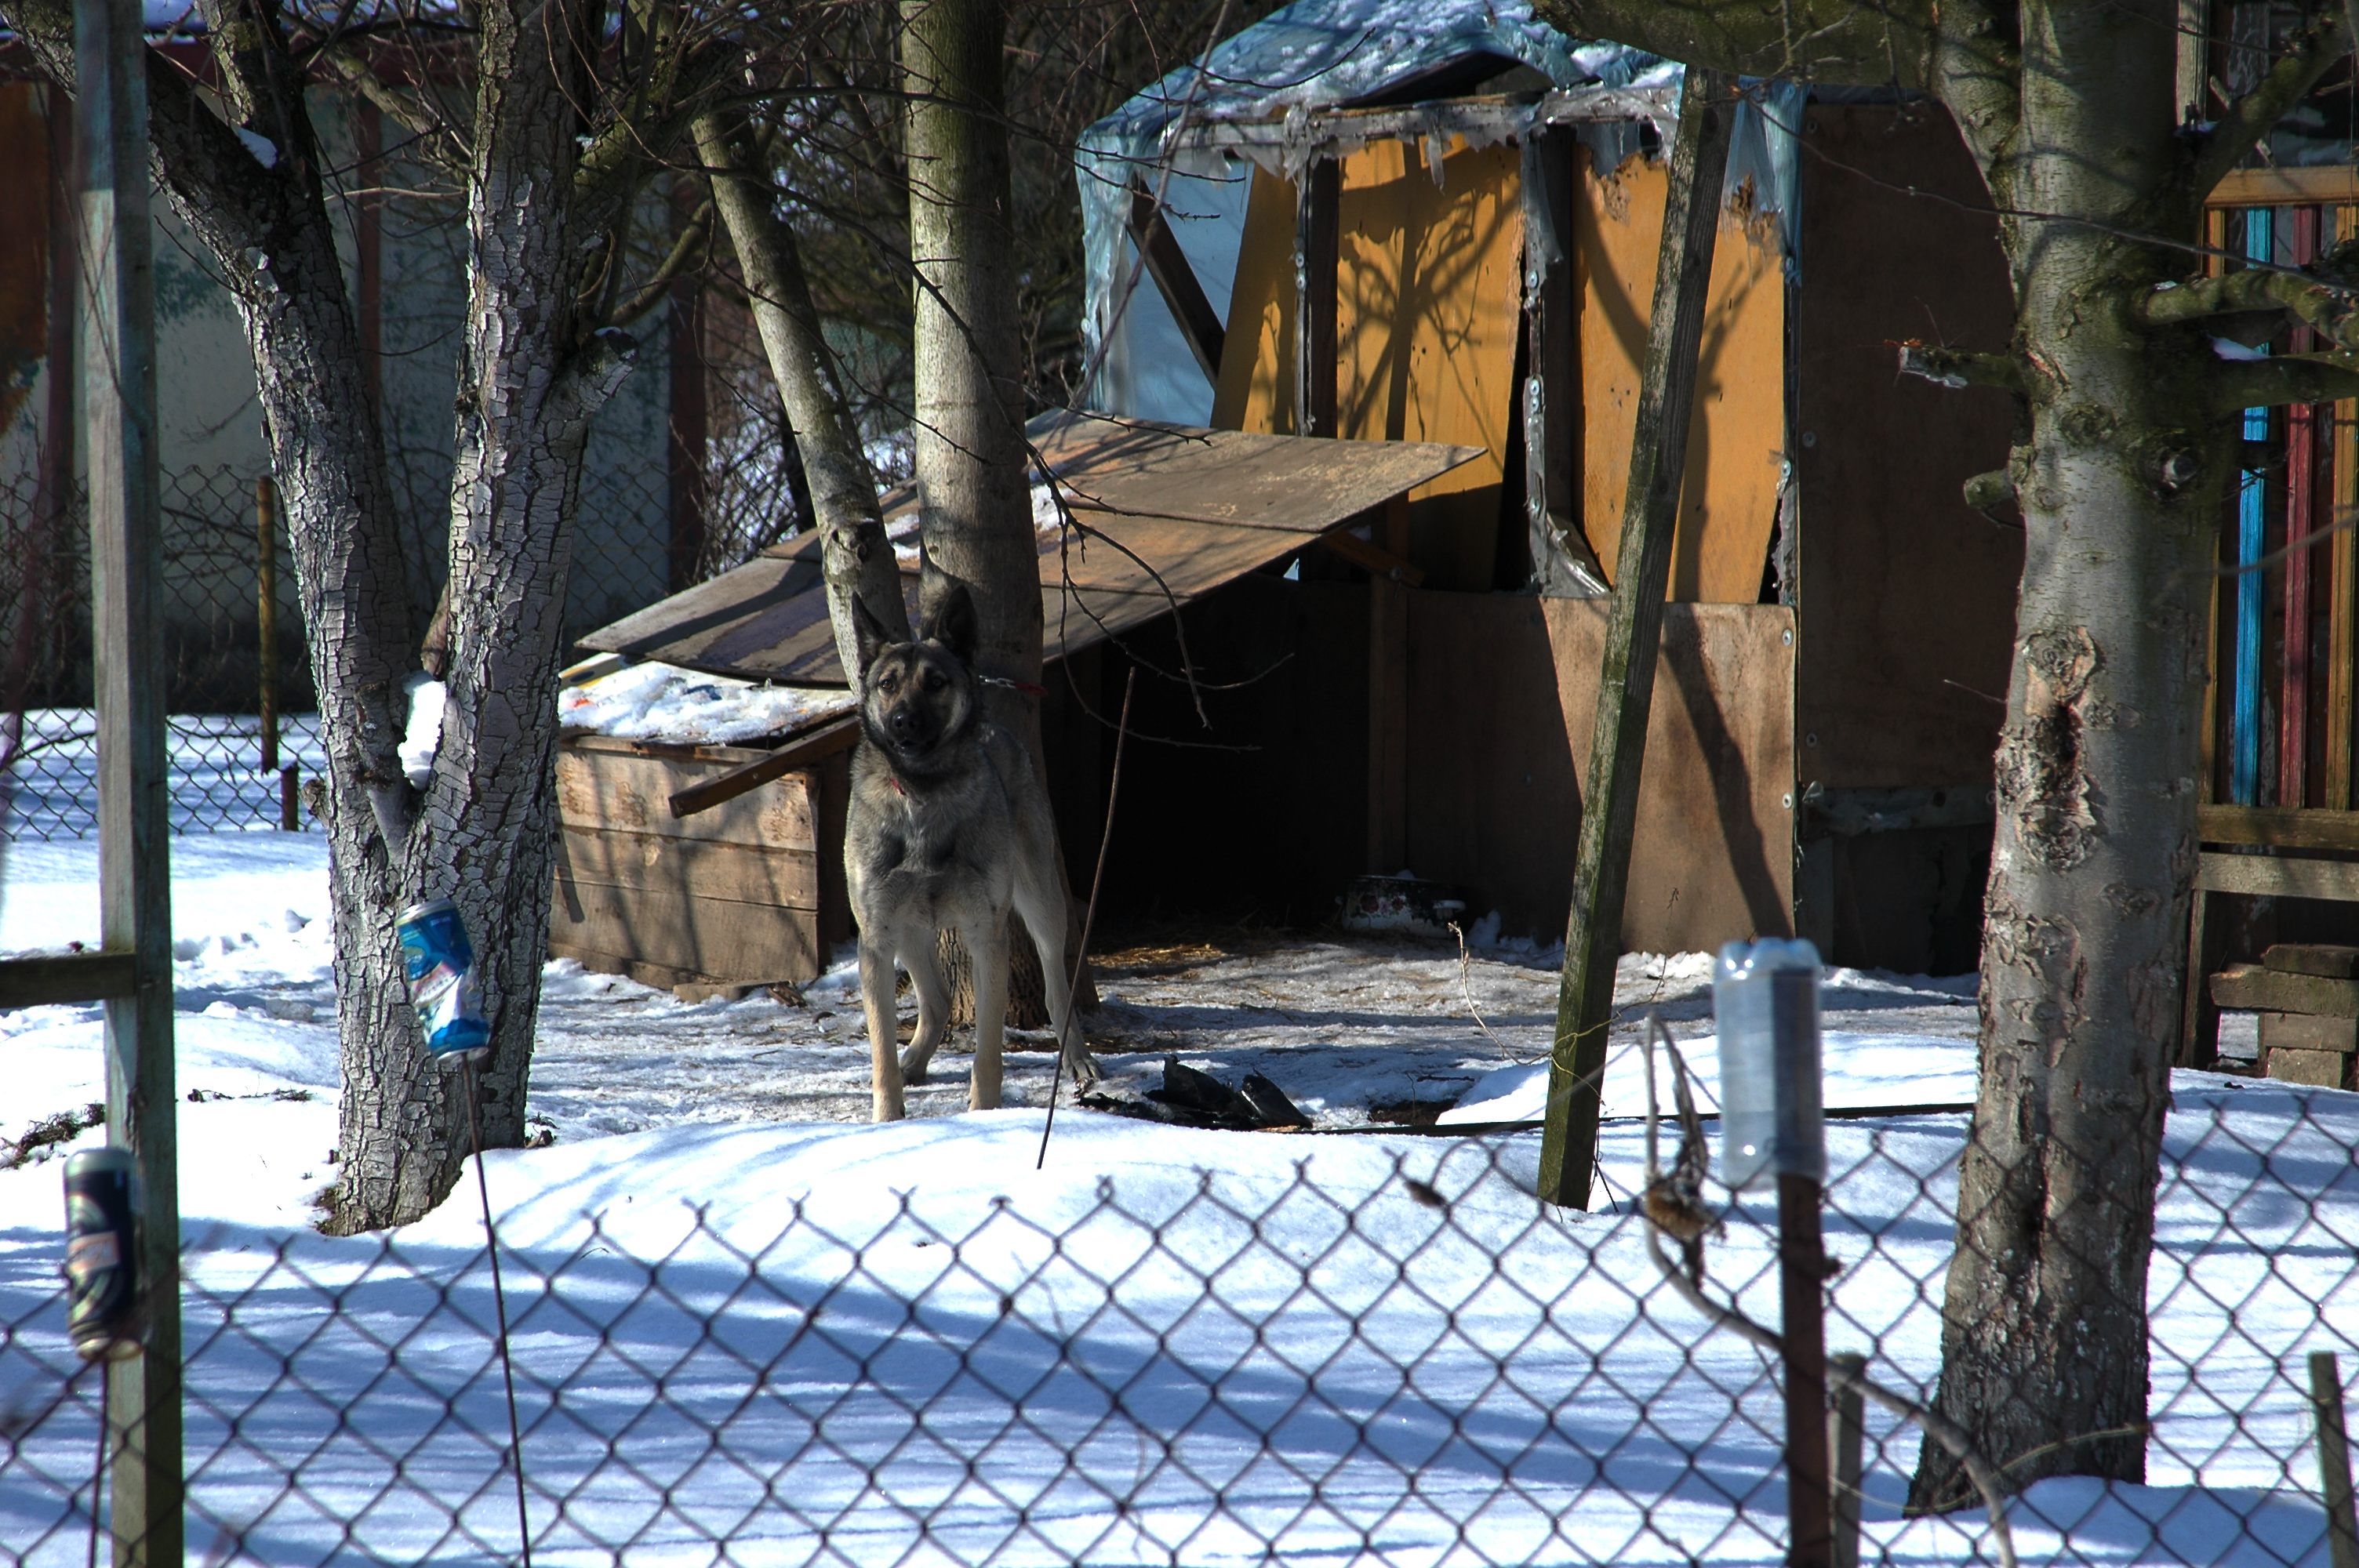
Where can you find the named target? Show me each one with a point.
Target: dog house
(1359, 226)
(717, 867)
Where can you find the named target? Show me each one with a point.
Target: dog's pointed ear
(954, 625)
(869, 638)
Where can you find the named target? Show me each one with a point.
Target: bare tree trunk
(2044, 1344)
(529, 387)
(973, 465)
(856, 558)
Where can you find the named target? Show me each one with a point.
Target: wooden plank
(43, 979)
(634, 793)
(2302, 520)
(1388, 706)
(826, 741)
(1167, 266)
(744, 873)
(2309, 1032)
(2343, 584)
(118, 370)
(2280, 876)
(2278, 826)
(2313, 958)
(1657, 464)
(1315, 240)
(1242, 478)
(729, 942)
(2330, 185)
(1729, 502)
(1240, 501)
(2321, 1069)
(2333, 1460)
(2251, 987)
(2199, 1022)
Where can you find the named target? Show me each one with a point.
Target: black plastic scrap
(1193, 1098)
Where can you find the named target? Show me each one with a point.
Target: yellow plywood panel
(1256, 387)
(1728, 501)
(1428, 308)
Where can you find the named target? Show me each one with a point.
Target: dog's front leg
(884, 1030)
(986, 945)
(933, 1007)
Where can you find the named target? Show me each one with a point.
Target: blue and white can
(440, 965)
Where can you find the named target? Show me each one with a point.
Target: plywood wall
(1427, 311)
(1503, 695)
(1906, 593)
(25, 254)
(1737, 444)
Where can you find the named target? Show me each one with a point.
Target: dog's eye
(934, 682)
(889, 684)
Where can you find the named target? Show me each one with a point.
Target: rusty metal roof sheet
(1165, 513)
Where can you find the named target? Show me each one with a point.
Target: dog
(947, 829)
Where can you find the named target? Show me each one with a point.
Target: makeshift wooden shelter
(1360, 225)
(720, 867)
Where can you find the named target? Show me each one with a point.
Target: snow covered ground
(739, 1314)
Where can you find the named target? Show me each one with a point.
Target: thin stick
(98, 1477)
(1089, 916)
(499, 1306)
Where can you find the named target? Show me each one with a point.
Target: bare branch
(2333, 308)
(2230, 140)
(694, 243)
(440, 140)
(1958, 368)
(2285, 378)
(1806, 40)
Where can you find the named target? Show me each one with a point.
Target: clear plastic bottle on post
(1764, 1003)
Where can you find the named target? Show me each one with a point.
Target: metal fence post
(266, 616)
(118, 360)
(1801, 1271)
(2334, 1459)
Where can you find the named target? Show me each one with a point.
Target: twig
(1089, 918)
(499, 1306)
(1466, 985)
(1939, 1428)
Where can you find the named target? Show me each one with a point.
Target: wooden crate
(746, 894)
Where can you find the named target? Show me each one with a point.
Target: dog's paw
(1081, 1066)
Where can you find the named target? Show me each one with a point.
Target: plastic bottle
(1764, 1003)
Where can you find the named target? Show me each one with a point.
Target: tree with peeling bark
(2128, 443)
(547, 116)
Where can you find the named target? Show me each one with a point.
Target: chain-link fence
(223, 777)
(1309, 1349)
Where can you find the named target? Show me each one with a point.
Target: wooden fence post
(142, 1394)
(1625, 685)
(2334, 1460)
(1846, 1436)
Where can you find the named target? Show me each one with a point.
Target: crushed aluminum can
(106, 1302)
(440, 963)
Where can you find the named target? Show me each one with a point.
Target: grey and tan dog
(948, 830)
